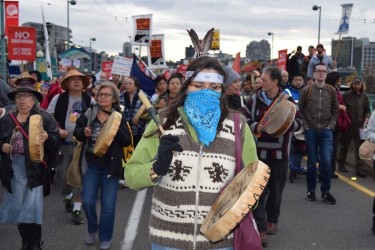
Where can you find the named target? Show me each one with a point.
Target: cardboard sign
(21, 43)
(156, 59)
(142, 30)
(122, 66)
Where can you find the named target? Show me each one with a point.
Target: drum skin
(36, 148)
(107, 133)
(281, 118)
(237, 199)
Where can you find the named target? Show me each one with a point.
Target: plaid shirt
(130, 110)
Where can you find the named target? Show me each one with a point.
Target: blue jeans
(319, 144)
(95, 178)
(296, 155)
(160, 247)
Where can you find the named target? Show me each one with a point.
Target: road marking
(134, 219)
(356, 185)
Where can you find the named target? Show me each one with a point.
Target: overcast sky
(293, 22)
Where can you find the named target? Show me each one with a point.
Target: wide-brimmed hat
(25, 86)
(72, 73)
(357, 79)
(37, 73)
(25, 76)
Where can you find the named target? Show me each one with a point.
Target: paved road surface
(303, 224)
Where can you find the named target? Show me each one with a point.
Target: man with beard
(320, 57)
(358, 108)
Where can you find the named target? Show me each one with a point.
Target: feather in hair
(201, 47)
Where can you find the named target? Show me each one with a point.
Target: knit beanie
(231, 76)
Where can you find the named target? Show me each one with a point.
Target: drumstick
(152, 112)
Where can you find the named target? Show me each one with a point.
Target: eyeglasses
(320, 71)
(22, 96)
(104, 95)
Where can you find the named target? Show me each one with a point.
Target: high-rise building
(127, 49)
(258, 51)
(368, 55)
(189, 52)
(57, 37)
(348, 52)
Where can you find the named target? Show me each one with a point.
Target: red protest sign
(281, 62)
(107, 68)
(11, 14)
(21, 43)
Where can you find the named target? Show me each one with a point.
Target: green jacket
(137, 170)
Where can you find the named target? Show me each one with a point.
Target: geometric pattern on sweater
(173, 209)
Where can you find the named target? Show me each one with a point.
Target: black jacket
(115, 151)
(62, 107)
(35, 171)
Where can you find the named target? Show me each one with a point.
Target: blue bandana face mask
(202, 108)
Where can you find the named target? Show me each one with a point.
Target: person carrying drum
(104, 125)
(192, 162)
(272, 149)
(19, 173)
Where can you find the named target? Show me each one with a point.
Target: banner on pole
(156, 58)
(281, 62)
(142, 30)
(11, 15)
(21, 43)
(122, 66)
(345, 17)
(216, 40)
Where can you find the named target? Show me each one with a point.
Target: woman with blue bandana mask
(191, 163)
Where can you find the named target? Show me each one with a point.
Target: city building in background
(127, 49)
(348, 52)
(57, 37)
(258, 51)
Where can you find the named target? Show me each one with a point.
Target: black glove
(168, 144)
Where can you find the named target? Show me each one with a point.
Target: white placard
(67, 63)
(122, 66)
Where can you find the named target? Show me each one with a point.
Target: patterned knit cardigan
(173, 206)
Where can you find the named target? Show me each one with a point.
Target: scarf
(202, 108)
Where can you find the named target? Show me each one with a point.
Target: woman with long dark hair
(198, 128)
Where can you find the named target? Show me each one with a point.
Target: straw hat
(25, 76)
(72, 73)
(25, 85)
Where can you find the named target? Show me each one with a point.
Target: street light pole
(72, 2)
(271, 34)
(90, 65)
(316, 7)
(3, 52)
